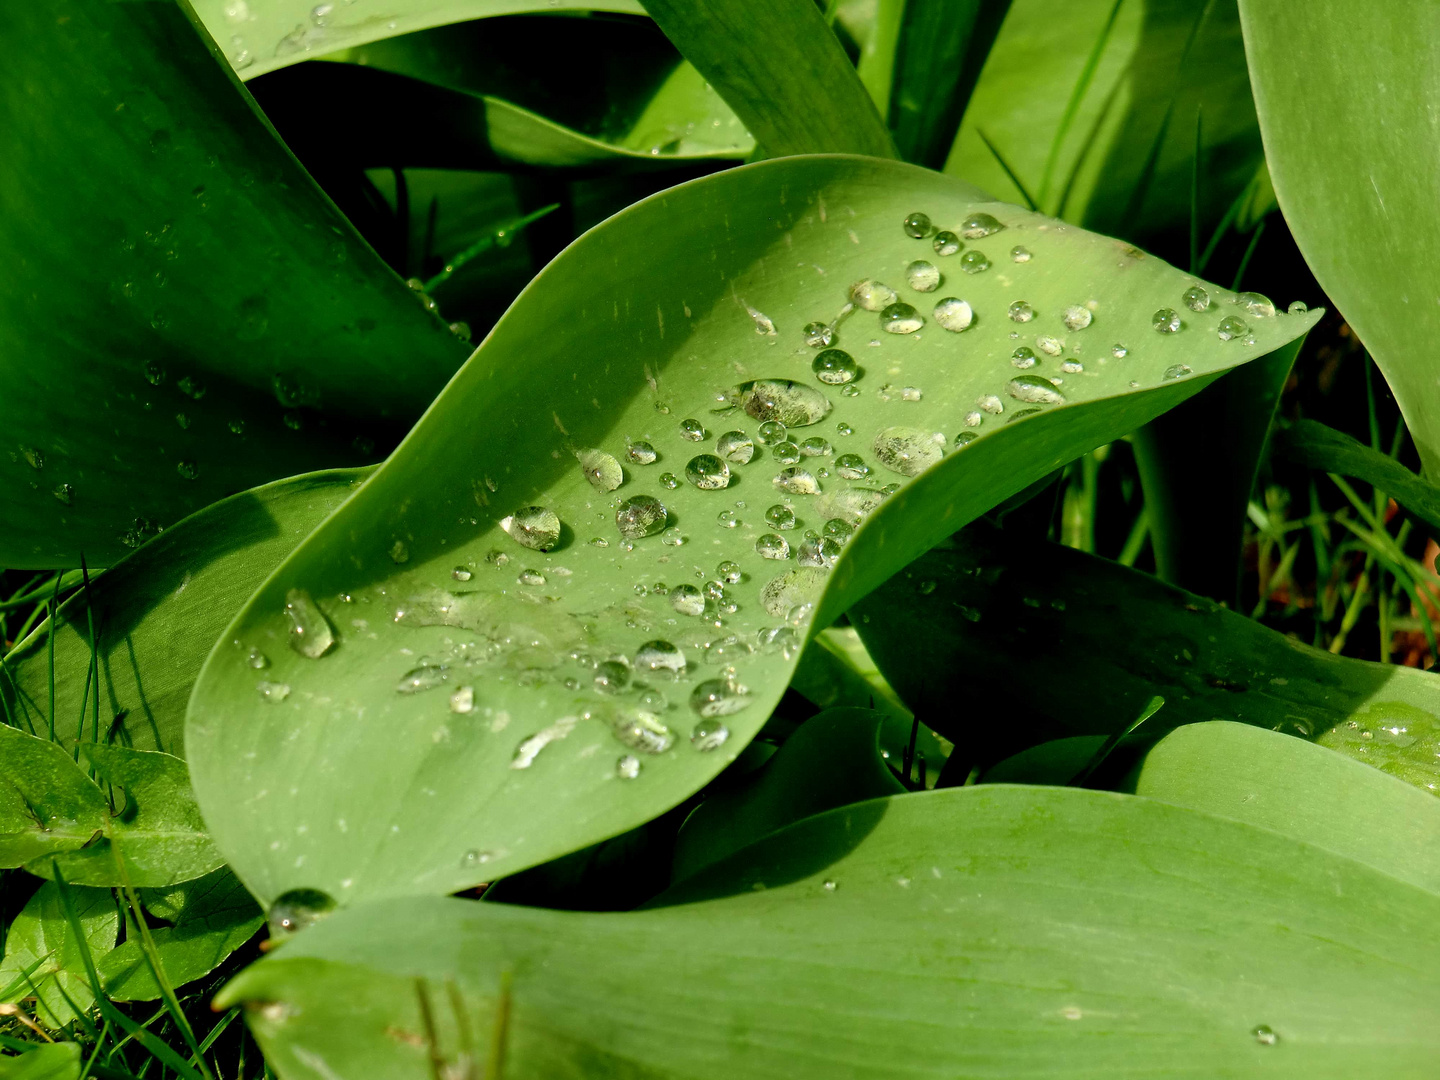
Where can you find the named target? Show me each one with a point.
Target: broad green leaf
(1346, 144)
(198, 317)
(1316, 446)
(47, 805)
(1057, 762)
(1118, 155)
(779, 66)
(261, 35)
(157, 614)
(48, 1061)
(833, 760)
(212, 916)
(1062, 644)
(1300, 790)
(41, 933)
(373, 770)
(986, 931)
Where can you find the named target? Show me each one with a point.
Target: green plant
(720, 673)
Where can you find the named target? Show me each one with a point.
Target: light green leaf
(47, 805)
(212, 916)
(48, 1061)
(361, 778)
(1346, 144)
(191, 296)
(159, 611)
(1300, 790)
(1063, 644)
(261, 35)
(985, 931)
(779, 66)
(40, 932)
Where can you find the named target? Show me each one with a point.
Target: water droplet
(727, 519)
(687, 600)
(1021, 312)
(600, 468)
(1119, 351)
(641, 453)
(815, 446)
(693, 430)
(842, 428)
(463, 700)
(974, 262)
(669, 480)
(65, 493)
(901, 318)
(922, 276)
(851, 467)
(834, 367)
(1023, 358)
(188, 470)
(772, 546)
(298, 909)
(973, 419)
(1166, 320)
(154, 372)
(978, 225)
(1077, 317)
(907, 451)
(612, 676)
(964, 439)
(850, 391)
(659, 656)
(529, 749)
(954, 314)
(1230, 327)
(1257, 305)
(946, 243)
(640, 516)
(707, 472)
(1297, 307)
(771, 432)
(818, 335)
(476, 857)
(821, 551)
(1035, 390)
(786, 453)
(1020, 254)
(797, 482)
(310, 632)
(639, 729)
(1176, 371)
(792, 404)
(1072, 367)
(1195, 298)
(841, 530)
(273, 692)
(829, 886)
(1265, 1035)
(990, 403)
(763, 323)
(422, 678)
(534, 527)
(530, 577)
(872, 295)
(782, 517)
(628, 767)
(917, 225)
(461, 330)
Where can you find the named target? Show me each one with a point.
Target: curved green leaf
(40, 942)
(47, 805)
(1062, 644)
(987, 931)
(1346, 144)
(1300, 790)
(186, 297)
(47, 1061)
(369, 779)
(261, 35)
(158, 613)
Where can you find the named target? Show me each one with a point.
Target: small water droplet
(612, 676)
(1264, 1035)
(1166, 321)
(946, 243)
(707, 472)
(851, 467)
(763, 323)
(640, 453)
(842, 428)
(628, 767)
(796, 482)
(298, 909)
(693, 430)
(1072, 367)
(922, 276)
(954, 314)
(872, 295)
(1050, 346)
(1230, 327)
(964, 439)
(973, 419)
(786, 453)
(772, 432)
(782, 517)
(640, 516)
(815, 446)
(154, 372)
(980, 224)
(188, 470)
(530, 577)
(974, 262)
(727, 519)
(422, 678)
(1297, 307)
(850, 391)
(990, 404)
(256, 659)
(310, 632)
(669, 481)
(772, 546)
(476, 857)
(273, 692)
(1176, 371)
(907, 451)
(600, 468)
(818, 551)
(534, 527)
(1033, 389)
(791, 403)
(819, 335)
(1196, 298)
(65, 493)
(1077, 317)
(672, 537)
(901, 318)
(834, 367)
(1020, 254)
(1119, 351)
(917, 225)
(829, 886)
(463, 700)
(1021, 312)
(462, 573)
(1023, 357)
(659, 656)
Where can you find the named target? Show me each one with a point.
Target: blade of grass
(1077, 95)
(1249, 251)
(1195, 192)
(485, 243)
(1014, 177)
(51, 647)
(1135, 542)
(1153, 706)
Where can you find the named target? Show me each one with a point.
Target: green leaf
(185, 280)
(779, 66)
(261, 35)
(359, 778)
(1345, 142)
(48, 1061)
(992, 930)
(41, 932)
(1299, 790)
(1119, 157)
(212, 916)
(159, 611)
(1064, 644)
(1316, 446)
(47, 804)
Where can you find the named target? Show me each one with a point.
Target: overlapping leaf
(43, 956)
(455, 731)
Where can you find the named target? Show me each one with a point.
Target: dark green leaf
(41, 932)
(47, 805)
(48, 1061)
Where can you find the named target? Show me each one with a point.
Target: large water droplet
(310, 632)
(1050, 346)
(1020, 254)
(641, 453)
(1230, 327)
(640, 516)
(771, 432)
(917, 225)
(872, 295)
(954, 314)
(1077, 317)
(791, 590)
(1021, 311)
(946, 243)
(707, 472)
(1166, 321)
(692, 430)
(907, 451)
(819, 335)
(710, 734)
(1256, 305)
(659, 656)
(600, 468)
(782, 517)
(612, 676)
(901, 318)
(1023, 358)
(787, 452)
(797, 482)
(991, 404)
(639, 729)
(735, 447)
(851, 467)
(717, 697)
(1195, 298)
(687, 600)
(297, 909)
(534, 527)
(922, 276)
(792, 404)
(816, 446)
(821, 551)
(974, 262)
(980, 224)
(772, 546)
(834, 367)
(1035, 390)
